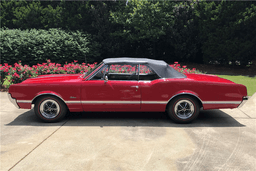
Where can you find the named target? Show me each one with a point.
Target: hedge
(35, 46)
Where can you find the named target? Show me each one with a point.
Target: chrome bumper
(13, 100)
(245, 98)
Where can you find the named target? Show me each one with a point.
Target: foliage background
(36, 45)
(221, 32)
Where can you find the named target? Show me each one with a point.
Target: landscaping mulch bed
(224, 70)
(3, 90)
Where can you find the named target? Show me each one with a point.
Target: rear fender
(186, 92)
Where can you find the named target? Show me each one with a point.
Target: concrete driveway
(217, 140)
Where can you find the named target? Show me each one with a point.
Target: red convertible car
(127, 84)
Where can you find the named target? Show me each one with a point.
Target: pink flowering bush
(19, 72)
(4, 70)
(184, 69)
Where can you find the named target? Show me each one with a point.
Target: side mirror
(106, 78)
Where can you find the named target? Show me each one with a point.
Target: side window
(122, 72)
(147, 73)
(144, 69)
(125, 69)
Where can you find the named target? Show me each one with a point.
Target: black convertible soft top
(159, 66)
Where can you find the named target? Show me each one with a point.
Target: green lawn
(249, 82)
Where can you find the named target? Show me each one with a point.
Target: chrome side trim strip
(149, 102)
(108, 102)
(14, 101)
(70, 102)
(154, 102)
(116, 102)
(24, 101)
(221, 102)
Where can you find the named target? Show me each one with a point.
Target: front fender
(47, 93)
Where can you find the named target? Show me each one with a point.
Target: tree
(143, 22)
(184, 33)
(7, 15)
(28, 15)
(227, 31)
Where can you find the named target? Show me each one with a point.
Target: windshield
(91, 70)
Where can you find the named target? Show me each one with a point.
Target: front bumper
(13, 100)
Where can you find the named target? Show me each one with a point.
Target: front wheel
(183, 109)
(50, 109)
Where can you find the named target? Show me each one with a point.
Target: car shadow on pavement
(209, 118)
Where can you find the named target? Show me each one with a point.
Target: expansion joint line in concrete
(244, 113)
(38, 145)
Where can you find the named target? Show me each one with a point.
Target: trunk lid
(208, 78)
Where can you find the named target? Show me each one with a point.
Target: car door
(154, 96)
(113, 88)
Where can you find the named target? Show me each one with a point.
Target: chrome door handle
(135, 86)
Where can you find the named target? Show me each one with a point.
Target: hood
(207, 77)
(54, 78)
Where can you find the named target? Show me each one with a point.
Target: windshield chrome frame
(95, 71)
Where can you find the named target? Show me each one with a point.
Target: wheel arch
(41, 94)
(191, 94)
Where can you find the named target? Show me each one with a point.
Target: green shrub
(35, 46)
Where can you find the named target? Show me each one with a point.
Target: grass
(6, 82)
(249, 82)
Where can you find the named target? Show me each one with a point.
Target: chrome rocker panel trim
(109, 102)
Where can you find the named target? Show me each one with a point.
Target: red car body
(82, 94)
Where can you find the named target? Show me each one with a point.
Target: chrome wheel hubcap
(184, 109)
(49, 109)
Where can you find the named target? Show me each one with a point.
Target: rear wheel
(50, 109)
(183, 109)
